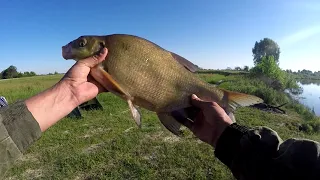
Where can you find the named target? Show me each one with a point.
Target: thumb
(96, 59)
(197, 102)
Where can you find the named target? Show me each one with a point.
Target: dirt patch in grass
(171, 139)
(93, 148)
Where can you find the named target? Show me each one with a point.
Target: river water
(311, 94)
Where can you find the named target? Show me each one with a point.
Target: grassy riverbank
(108, 145)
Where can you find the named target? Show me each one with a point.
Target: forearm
(52, 105)
(260, 154)
(18, 131)
(21, 123)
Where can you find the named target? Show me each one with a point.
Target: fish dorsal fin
(184, 62)
(232, 100)
(106, 80)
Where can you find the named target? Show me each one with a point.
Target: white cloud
(300, 36)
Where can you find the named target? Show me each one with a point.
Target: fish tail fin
(228, 100)
(232, 100)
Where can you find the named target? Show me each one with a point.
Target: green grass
(22, 88)
(108, 145)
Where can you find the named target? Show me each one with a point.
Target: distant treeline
(305, 74)
(222, 72)
(11, 72)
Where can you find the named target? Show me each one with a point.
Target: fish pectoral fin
(231, 115)
(135, 113)
(170, 123)
(106, 80)
(232, 100)
(184, 62)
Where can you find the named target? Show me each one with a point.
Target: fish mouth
(67, 52)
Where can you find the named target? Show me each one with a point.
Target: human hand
(80, 82)
(210, 122)
(75, 88)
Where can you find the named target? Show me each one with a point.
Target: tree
(237, 68)
(246, 68)
(10, 72)
(20, 75)
(26, 74)
(269, 68)
(304, 71)
(266, 47)
(32, 73)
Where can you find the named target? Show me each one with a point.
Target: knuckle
(95, 59)
(213, 104)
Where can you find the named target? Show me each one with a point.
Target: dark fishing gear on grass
(3, 102)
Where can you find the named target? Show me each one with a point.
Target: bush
(311, 126)
(10, 72)
(271, 74)
(306, 112)
(255, 86)
(258, 87)
(269, 68)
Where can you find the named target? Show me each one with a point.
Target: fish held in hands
(149, 76)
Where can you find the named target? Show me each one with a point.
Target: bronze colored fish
(146, 75)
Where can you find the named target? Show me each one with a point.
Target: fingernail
(194, 96)
(103, 50)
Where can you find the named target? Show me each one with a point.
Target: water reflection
(309, 81)
(310, 95)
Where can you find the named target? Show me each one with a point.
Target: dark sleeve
(260, 153)
(18, 130)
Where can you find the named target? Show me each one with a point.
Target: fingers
(197, 102)
(182, 119)
(100, 87)
(96, 59)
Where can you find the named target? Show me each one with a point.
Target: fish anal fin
(184, 62)
(170, 123)
(106, 80)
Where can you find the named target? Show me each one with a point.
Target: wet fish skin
(146, 75)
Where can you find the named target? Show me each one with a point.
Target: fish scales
(146, 75)
(158, 86)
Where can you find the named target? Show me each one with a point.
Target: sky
(214, 34)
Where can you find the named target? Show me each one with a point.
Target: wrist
(219, 131)
(229, 143)
(51, 105)
(66, 92)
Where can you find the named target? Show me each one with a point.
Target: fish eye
(82, 43)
